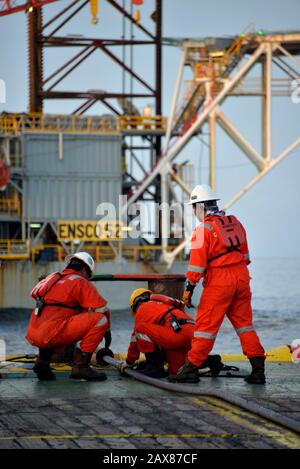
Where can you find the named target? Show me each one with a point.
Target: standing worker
(69, 309)
(163, 332)
(219, 253)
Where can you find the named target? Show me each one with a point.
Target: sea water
(275, 286)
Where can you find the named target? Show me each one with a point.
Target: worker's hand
(107, 338)
(187, 297)
(125, 365)
(188, 293)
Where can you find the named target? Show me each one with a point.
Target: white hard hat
(84, 257)
(295, 344)
(202, 193)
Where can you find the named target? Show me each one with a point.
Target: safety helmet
(295, 344)
(84, 257)
(135, 295)
(202, 193)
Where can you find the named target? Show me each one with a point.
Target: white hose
(223, 395)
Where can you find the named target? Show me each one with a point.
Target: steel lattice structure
(45, 83)
(8, 7)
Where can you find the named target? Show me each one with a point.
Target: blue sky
(267, 211)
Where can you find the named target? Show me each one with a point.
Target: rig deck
(124, 413)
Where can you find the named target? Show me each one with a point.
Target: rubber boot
(154, 365)
(258, 371)
(141, 366)
(214, 363)
(42, 365)
(187, 373)
(81, 368)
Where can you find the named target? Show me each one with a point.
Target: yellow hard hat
(135, 294)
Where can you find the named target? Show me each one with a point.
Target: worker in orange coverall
(219, 253)
(69, 309)
(163, 332)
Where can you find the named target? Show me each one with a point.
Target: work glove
(187, 294)
(125, 365)
(107, 338)
(186, 298)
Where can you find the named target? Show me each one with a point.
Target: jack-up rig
(123, 150)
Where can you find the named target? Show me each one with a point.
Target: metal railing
(235, 49)
(16, 160)
(211, 68)
(56, 252)
(10, 206)
(48, 253)
(142, 123)
(36, 122)
(11, 249)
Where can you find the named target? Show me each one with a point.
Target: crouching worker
(162, 331)
(69, 309)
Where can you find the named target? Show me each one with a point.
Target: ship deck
(126, 414)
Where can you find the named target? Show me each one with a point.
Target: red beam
(8, 7)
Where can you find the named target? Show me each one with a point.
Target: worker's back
(152, 312)
(69, 295)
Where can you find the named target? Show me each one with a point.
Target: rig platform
(126, 414)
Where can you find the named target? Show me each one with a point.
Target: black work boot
(187, 373)
(81, 368)
(154, 365)
(258, 371)
(42, 365)
(214, 363)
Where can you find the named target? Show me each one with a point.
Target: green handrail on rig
(138, 277)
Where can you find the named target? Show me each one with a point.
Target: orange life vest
(229, 231)
(45, 285)
(168, 300)
(230, 234)
(42, 288)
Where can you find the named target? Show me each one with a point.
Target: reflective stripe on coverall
(149, 334)
(226, 292)
(58, 325)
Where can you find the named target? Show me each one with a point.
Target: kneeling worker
(162, 331)
(69, 309)
(219, 253)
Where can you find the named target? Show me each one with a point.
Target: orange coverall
(226, 292)
(148, 334)
(58, 326)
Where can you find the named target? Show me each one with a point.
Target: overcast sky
(270, 212)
